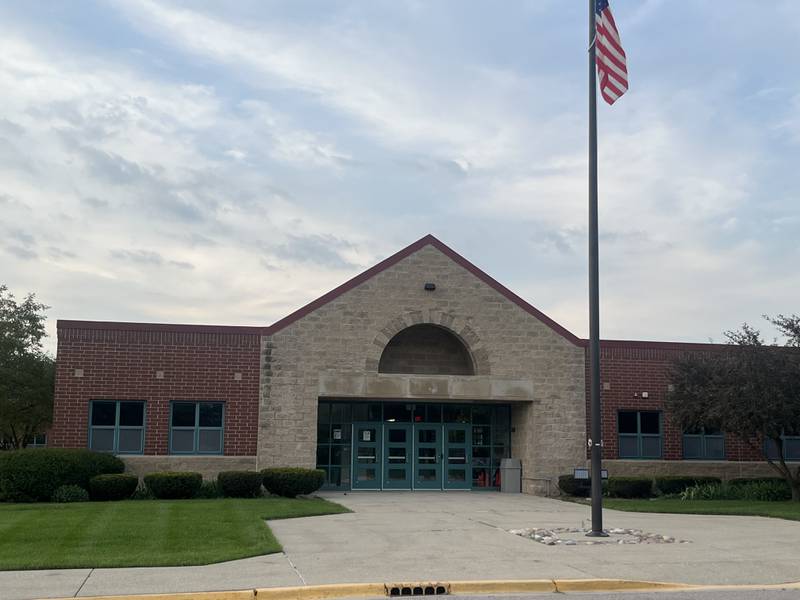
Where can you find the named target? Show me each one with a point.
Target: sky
(228, 162)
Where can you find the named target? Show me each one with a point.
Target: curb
(372, 590)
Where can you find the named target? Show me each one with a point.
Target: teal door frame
(367, 471)
(398, 444)
(457, 461)
(428, 456)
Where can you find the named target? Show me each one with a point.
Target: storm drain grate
(417, 589)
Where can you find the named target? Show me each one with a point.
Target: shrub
(33, 475)
(171, 485)
(768, 490)
(142, 492)
(675, 484)
(70, 493)
(581, 488)
(292, 481)
(629, 487)
(116, 486)
(210, 489)
(240, 484)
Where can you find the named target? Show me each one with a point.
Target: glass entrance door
(397, 442)
(428, 457)
(366, 456)
(457, 457)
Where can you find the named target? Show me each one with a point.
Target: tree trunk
(795, 485)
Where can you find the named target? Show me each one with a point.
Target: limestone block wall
(349, 333)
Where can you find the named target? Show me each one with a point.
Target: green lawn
(144, 533)
(781, 510)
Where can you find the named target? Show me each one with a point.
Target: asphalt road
(747, 594)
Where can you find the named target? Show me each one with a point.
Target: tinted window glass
(400, 413)
(340, 413)
(210, 414)
(130, 440)
(715, 448)
(183, 440)
(209, 440)
(692, 447)
(131, 414)
(628, 447)
(103, 440)
(651, 447)
(627, 422)
(183, 414)
(104, 413)
(650, 422)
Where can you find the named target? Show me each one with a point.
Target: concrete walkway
(401, 536)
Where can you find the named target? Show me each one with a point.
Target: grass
(780, 510)
(145, 533)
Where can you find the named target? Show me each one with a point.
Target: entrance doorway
(392, 445)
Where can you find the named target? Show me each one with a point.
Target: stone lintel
(454, 387)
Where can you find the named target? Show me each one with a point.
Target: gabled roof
(428, 240)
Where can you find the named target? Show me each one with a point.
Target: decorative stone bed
(576, 536)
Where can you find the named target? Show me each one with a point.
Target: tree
(747, 388)
(27, 372)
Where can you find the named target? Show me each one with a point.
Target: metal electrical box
(511, 476)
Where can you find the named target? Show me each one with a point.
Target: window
(791, 446)
(116, 426)
(639, 434)
(38, 441)
(196, 428)
(704, 442)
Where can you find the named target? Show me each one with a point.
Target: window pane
(628, 447)
(771, 449)
(323, 433)
(712, 430)
(692, 446)
(401, 413)
(103, 440)
(715, 447)
(104, 413)
(397, 436)
(792, 448)
(183, 440)
(650, 422)
(340, 413)
(366, 412)
(627, 422)
(457, 436)
(210, 414)
(130, 440)
(131, 414)
(434, 413)
(183, 414)
(323, 454)
(210, 440)
(651, 447)
(456, 413)
(324, 413)
(481, 414)
(340, 455)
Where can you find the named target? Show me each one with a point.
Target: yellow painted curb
(520, 586)
(615, 585)
(502, 586)
(320, 592)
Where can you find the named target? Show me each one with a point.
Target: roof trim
(428, 240)
(165, 327)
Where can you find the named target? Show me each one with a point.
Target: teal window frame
(639, 436)
(117, 427)
(196, 428)
(38, 441)
(704, 437)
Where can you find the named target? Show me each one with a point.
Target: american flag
(611, 64)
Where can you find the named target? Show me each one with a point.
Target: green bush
(70, 493)
(675, 484)
(142, 492)
(766, 490)
(210, 489)
(240, 484)
(629, 487)
(292, 481)
(172, 485)
(581, 488)
(33, 475)
(117, 486)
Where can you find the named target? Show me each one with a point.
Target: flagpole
(594, 295)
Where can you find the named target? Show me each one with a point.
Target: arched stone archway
(426, 349)
(453, 324)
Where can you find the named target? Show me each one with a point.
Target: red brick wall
(630, 368)
(120, 361)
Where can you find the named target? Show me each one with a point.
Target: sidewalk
(396, 536)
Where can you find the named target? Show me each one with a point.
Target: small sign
(337, 434)
(366, 435)
(584, 474)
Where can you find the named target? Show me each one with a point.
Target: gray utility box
(511, 476)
